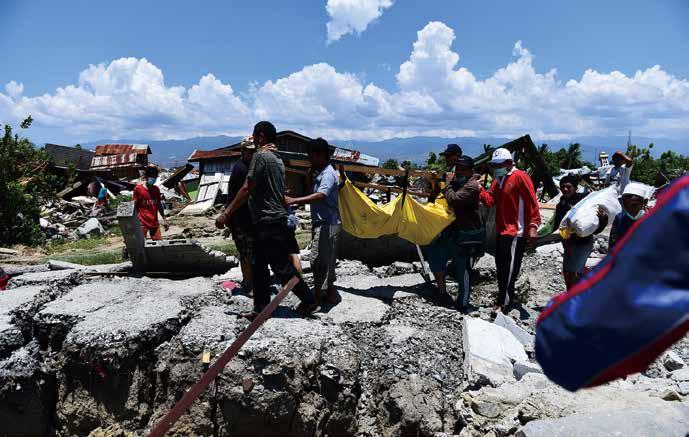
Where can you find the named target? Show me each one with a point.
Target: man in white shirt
(620, 174)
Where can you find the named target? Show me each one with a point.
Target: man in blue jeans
(456, 241)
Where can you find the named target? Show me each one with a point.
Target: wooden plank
(370, 170)
(391, 188)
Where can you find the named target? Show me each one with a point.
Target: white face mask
(635, 217)
(499, 172)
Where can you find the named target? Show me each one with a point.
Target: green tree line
(24, 186)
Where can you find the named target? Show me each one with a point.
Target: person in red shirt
(4, 279)
(147, 203)
(517, 216)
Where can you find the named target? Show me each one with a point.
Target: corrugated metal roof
(122, 160)
(119, 149)
(213, 154)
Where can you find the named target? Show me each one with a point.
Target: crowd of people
(260, 216)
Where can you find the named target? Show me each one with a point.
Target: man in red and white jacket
(517, 217)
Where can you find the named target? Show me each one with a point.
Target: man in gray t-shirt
(273, 239)
(325, 219)
(266, 201)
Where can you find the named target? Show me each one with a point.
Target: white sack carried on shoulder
(582, 219)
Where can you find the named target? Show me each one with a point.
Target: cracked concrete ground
(82, 354)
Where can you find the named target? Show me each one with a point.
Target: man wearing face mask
(148, 203)
(462, 194)
(517, 216)
(633, 208)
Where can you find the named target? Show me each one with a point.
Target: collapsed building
(215, 167)
(123, 160)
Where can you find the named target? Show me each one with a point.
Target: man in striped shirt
(517, 216)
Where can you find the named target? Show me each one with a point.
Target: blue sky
(274, 59)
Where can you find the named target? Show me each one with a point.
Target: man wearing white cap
(634, 200)
(517, 217)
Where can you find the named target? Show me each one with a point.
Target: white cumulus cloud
(128, 97)
(350, 16)
(434, 95)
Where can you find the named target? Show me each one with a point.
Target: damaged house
(124, 160)
(215, 167)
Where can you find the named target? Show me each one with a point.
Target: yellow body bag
(403, 216)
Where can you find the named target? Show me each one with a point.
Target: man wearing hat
(240, 224)
(634, 199)
(451, 154)
(517, 216)
(454, 243)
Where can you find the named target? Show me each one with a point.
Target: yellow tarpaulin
(409, 219)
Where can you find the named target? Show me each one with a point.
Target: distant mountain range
(415, 149)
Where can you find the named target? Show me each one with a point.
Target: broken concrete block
(681, 375)
(670, 420)
(672, 361)
(63, 265)
(592, 262)
(485, 266)
(550, 250)
(670, 395)
(90, 227)
(521, 368)
(683, 388)
(11, 300)
(489, 351)
(520, 334)
(355, 308)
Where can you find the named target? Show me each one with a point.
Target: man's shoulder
(267, 155)
(472, 185)
(330, 172)
(520, 174)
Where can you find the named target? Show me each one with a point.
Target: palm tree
(573, 157)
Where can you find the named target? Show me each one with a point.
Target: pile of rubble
(82, 353)
(74, 219)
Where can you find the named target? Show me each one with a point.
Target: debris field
(84, 352)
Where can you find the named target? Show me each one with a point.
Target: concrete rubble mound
(92, 354)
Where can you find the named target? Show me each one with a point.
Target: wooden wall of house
(291, 144)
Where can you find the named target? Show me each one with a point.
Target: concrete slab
(210, 325)
(489, 351)
(669, 420)
(111, 314)
(45, 278)
(519, 333)
(100, 268)
(280, 333)
(10, 300)
(395, 287)
(355, 308)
